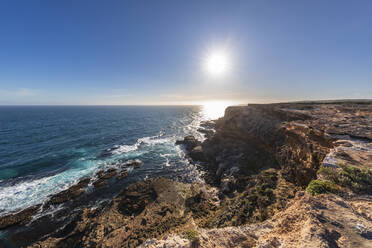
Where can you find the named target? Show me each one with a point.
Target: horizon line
(191, 104)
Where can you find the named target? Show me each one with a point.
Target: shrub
(356, 179)
(190, 234)
(317, 187)
(328, 173)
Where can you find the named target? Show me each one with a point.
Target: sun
(217, 63)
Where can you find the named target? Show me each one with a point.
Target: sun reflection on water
(214, 109)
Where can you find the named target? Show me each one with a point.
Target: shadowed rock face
(292, 137)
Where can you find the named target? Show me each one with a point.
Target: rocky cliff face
(261, 155)
(250, 138)
(278, 175)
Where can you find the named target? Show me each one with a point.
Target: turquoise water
(45, 149)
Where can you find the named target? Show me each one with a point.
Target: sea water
(46, 149)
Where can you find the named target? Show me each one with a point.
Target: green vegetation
(347, 177)
(358, 180)
(329, 173)
(253, 203)
(317, 187)
(190, 234)
(256, 199)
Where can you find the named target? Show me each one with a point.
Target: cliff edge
(277, 175)
(289, 175)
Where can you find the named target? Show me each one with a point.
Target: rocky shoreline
(277, 175)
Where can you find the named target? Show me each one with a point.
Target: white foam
(151, 140)
(192, 128)
(29, 193)
(127, 148)
(166, 157)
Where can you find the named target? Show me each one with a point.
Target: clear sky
(152, 52)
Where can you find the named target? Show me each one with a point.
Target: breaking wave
(69, 148)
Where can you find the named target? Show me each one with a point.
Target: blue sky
(151, 52)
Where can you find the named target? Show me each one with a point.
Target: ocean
(46, 149)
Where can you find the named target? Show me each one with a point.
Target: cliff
(277, 175)
(289, 175)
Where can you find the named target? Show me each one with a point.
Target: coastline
(258, 160)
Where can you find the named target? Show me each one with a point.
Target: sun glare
(214, 109)
(217, 63)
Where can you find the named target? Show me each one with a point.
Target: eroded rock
(144, 210)
(107, 174)
(70, 193)
(136, 197)
(21, 218)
